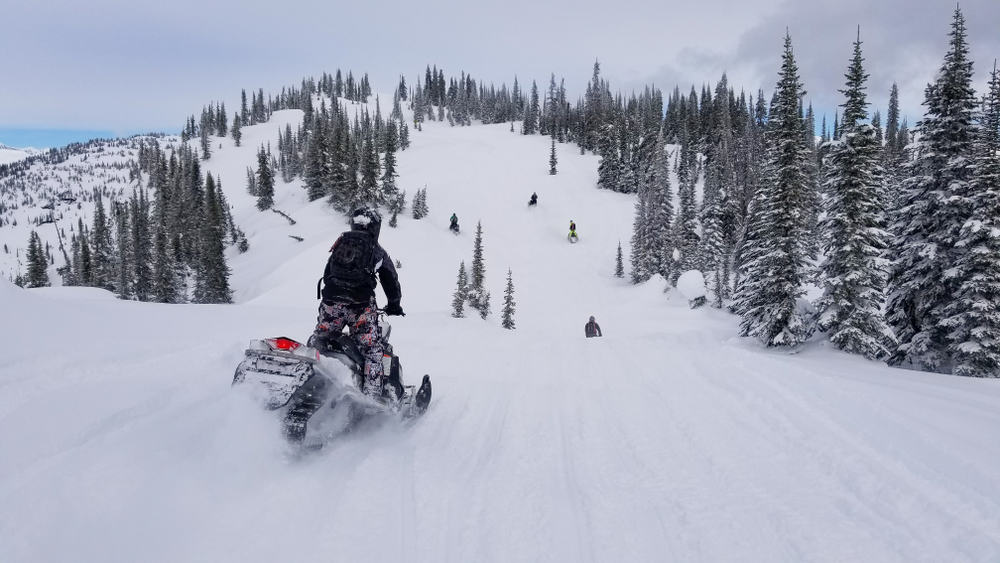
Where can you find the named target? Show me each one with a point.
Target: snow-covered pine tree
(102, 248)
(608, 170)
(141, 242)
(389, 189)
(265, 180)
(660, 209)
(316, 171)
(552, 158)
(773, 277)
(532, 112)
(164, 288)
(251, 182)
(685, 228)
(853, 271)
(619, 264)
(934, 205)
(212, 281)
(121, 259)
(640, 240)
(369, 193)
(237, 129)
(973, 316)
(483, 303)
(37, 275)
(478, 260)
(508, 303)
(206, 141)
(461, 293)
(416, 206)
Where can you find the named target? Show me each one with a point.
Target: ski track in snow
(669, 439)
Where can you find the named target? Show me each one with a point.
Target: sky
(122, 67)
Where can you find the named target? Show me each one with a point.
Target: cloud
(904, 41)
(125, 65)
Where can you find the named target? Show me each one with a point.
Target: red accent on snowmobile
(283, 343)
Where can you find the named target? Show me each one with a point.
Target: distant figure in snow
(572, 236)
(592, 329)
(534, 199)
(454, 223)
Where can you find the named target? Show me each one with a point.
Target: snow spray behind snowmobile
(305, 383)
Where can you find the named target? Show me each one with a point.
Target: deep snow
(669, 439)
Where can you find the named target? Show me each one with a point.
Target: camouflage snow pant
(362, 321)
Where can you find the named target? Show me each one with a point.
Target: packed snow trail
(669, 439)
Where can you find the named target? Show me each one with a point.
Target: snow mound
(691, 284)
(75, 293)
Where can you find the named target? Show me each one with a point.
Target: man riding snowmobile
(454, 223)
(349, 295)
(572, 237)
(534, 199)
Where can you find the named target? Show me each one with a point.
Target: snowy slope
(10, 154)
(51, 196)
(670, 439)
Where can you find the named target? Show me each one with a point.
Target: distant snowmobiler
(592, 329)
(454, 224)
(533, 200)
(572, 236)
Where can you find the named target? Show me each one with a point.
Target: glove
(393, 309)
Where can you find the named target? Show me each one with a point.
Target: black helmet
(366, 219)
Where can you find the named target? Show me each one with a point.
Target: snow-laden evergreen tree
(933, 207)
(461, 293)
(102, 247)
(121, 259)
(531, 113)
(141, 243)
(251, 182)
(685, 228)
(619, 264)
(552, 158)
(508, 303)
(316, 169)
(164, 282)
(37, 275)
(415, 206)
(853, 271)
(389, 189)
(773, 277)
(86, 276)
(972, 317)
(206, 142)
(609, 170)
(419, 205)
(265, 180)
(369, 193)
(639, 254)
(483, 303)
(212, 276)
(659, 208)
(478, 261)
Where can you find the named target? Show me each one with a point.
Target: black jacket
(592, 329)
(386, 271)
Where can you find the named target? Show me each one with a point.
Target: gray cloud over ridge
(122, 65)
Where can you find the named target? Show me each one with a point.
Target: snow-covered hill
(9, 155)
(669, 439)
(55, 193)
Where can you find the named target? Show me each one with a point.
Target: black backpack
(350, 270)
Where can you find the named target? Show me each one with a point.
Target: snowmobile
(305, 383)
(454, 228)
(571, 237)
